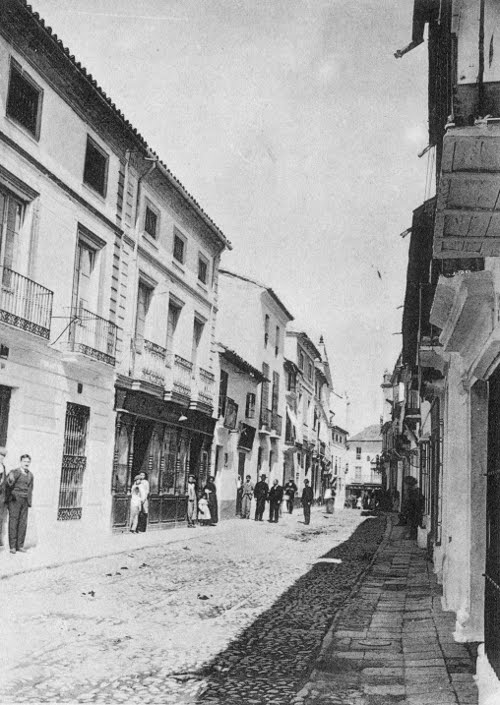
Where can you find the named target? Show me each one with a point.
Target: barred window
(24, 100)
(151, 222)
(202, 269)
(179, 248)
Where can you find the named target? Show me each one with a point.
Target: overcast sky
(297, 131)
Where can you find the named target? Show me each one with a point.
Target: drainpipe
(480, 74)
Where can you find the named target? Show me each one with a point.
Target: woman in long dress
(211, 490)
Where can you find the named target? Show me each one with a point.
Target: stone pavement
(391, 642)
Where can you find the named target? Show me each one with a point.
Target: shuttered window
(24, 100)
(95, 172)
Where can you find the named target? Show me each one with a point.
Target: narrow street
(235, 614)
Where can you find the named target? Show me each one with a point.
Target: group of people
(276, 495)
(139, 503)
(16, 495)
(202, 505)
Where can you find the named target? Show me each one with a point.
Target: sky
(298, 132)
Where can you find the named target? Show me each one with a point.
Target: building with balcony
(252, 322)
(451, 322)
(364, 451)
(108, 290)
(236, 441)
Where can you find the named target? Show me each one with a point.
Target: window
(301, 360)
(151, 222)
(144, 294)
(266, 330)
(277, 341)
(74, 462)
(250, 406)
(309, 370)
(223, 381)
(358, 453)
(197, 333)
(174, 312)
(95, 173)
(202, 269)
(264, 395)
(357, 472)
(291, 382)
(24, 101)
(275, 391)
(11, 219)
(179, 248)
(4, 413)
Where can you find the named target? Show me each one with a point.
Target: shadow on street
(271, 659)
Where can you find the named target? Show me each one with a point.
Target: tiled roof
(262, 286)
(121, 117)
(370, 433)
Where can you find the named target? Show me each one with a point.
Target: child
(204, 515)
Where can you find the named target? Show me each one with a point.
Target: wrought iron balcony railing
(182, 372)
(151, 363)
(265, 418)
(24, 303)
(93, 336)
(276, 423)
(206, 386)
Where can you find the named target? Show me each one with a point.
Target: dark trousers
(259, 509)
(18, 521)
(307, 513)
(289, 502)
(274, 511)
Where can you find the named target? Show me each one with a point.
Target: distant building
(365, 449)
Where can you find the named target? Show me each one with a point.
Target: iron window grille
(74, 462)
(179, 249)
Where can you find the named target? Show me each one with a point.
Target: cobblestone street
(236, 613)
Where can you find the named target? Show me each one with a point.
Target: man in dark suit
(260, 493)
(19, 498)
(290, 490)
(307, 500)
(275, 498)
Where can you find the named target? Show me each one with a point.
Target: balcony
(150, 364)
(92, 336)
(25, 304)
(468, 205)
(182, 372)
(265, 420)
(276, 423)
(206, 387)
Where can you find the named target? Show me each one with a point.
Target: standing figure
(136, 499)
(260, 493)
(290, 490)
(19, 496)
(239, 496)
(143, 515)
(204, 515)
(307, 500)
(413, 506)
(3, 480)
(247, 490)
(275, 497)
(211, 490)
(192, 502)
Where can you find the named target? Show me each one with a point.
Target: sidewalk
(64, 550)
(391, 642)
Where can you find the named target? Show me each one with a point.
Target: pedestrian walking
(307, 500)
(3, 506)
(143, 514)
(19, 496)
(260, 493)
(211, 491)
(136, 499)
(290, 491)
(204, 516)
(192, 502)
(247, 491)
(275, 497)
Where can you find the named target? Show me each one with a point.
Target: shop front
(167, 442)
